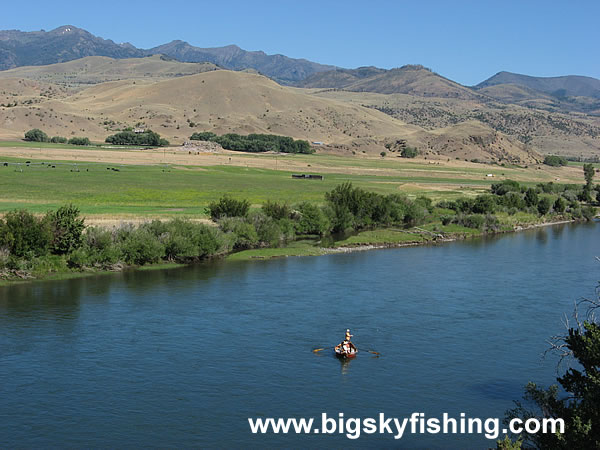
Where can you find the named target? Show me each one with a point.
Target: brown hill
(100, 69)
(224, 101)
(220, 101)
(411, 79)
(547, 132)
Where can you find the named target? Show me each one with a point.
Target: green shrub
(588, 213)
(128, 137)
(36, 135)
(555, 161)
(484, 204)
(312, 220)
(186, 241)
(277, 210)
(228, 207)
(23, 233)
(141, 247)
(79, 141)
(531, 197)
(244, 234)
(267, 229)
(544, 205)
(204, 136)
(560, 205)
(505, 186)
(67, 229)
(58, 140)
(409, 152)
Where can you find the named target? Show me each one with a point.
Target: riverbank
(60, 245)
(359, 242)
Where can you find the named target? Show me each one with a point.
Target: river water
(183, 357)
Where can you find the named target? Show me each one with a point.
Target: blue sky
(467, 41)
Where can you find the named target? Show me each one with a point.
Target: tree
(203, 136)
(79, 141)
(67, 229)
(581, 382)
(531, 197)
(544, 205)
(36, 135)
(409, 152)
(23, 233)
(228, 207)
(383, 154)
(129, 137)
(588, 173)
(560, 205)
(555, 161)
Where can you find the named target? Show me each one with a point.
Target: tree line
(61, 238)
(37, 135)
(256, 143)
(125, 137)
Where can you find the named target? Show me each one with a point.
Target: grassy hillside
(531, 129)
(99, 69)
(412, 79)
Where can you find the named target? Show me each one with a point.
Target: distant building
(139, 130)
(318, 143)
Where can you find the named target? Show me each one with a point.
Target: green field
(159, 190)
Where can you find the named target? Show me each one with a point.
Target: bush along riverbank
(59, 244)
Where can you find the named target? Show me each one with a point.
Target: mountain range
(67, 43)
(507, 117)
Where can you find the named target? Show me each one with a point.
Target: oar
(369, 351)
(317, 350)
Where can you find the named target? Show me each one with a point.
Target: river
(183, 357)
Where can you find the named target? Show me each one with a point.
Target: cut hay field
(120, 184)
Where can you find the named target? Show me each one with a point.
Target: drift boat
(344, 354)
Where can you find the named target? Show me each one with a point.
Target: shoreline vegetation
(59, 245)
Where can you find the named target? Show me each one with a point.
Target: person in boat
(346, 345)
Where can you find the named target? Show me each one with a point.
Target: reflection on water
(182, 357)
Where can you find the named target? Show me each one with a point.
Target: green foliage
(409, 152)
(79, 141)
(141, 247)
(186, 241)
(560, 205)
(544, 205)
(228, 207)
(244, 234)
(588, 173)
(267, 229)
(256, 142)
(58, 140)
(531, 197)
(204, 136)
(508, 444)
(148, 137)
(484, 204)
(277, 210)
(67, 229)
(555, 161)
(36, 135)
(24, 234)
(588, 213)
(312, 220)
(383, 154)
(505, 186)
(355, 208)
